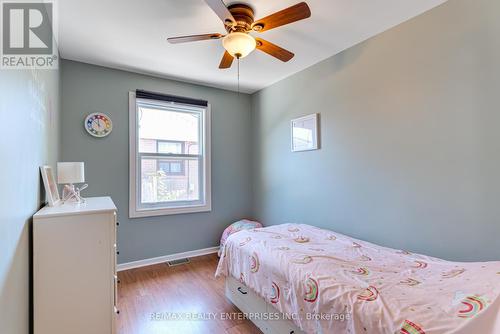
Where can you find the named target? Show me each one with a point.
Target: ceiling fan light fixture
(239, 44)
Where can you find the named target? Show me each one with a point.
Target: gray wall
(29, 108)
(88, 88)
(410, 126)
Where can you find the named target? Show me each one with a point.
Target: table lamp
(69, 173)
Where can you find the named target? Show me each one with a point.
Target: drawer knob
(118, 252)
(117, 223)
(242, 291)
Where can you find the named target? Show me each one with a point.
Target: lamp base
(72, 194)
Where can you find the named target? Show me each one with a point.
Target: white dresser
(74, 268)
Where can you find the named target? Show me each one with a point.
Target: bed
(326, 282)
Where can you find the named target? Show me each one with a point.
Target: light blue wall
(410, 142)
(87, 88)
(410, 131)
(29, 109)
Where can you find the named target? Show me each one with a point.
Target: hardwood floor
(149, 295)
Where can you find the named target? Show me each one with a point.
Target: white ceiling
(131, 35)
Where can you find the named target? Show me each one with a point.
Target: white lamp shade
(70, 172)
(239, 44)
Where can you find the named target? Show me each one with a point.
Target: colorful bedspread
(330, 283)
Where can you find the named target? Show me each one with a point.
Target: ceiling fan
(238, 21)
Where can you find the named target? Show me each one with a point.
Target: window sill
(170, 211)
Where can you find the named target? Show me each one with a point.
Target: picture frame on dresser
(49, 182)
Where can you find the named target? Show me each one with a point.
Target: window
(169, 156)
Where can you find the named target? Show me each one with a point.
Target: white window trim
(134, 212)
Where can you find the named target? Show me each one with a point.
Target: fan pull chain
(238, 76)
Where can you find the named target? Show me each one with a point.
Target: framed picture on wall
(304, 133)
(50, 185)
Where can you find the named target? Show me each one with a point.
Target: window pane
(147, 145)
(175, 167)
(170, 147)
(164, 166)
(168, 131)
(164, 180)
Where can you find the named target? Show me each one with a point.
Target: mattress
(327, 282)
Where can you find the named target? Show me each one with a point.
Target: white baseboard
(165, 258)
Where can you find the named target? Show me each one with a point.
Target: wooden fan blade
(193, 38)
(274, 50)
(291, 14)
(226, 61)
(221, 10)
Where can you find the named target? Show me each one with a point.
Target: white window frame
(134, 179)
